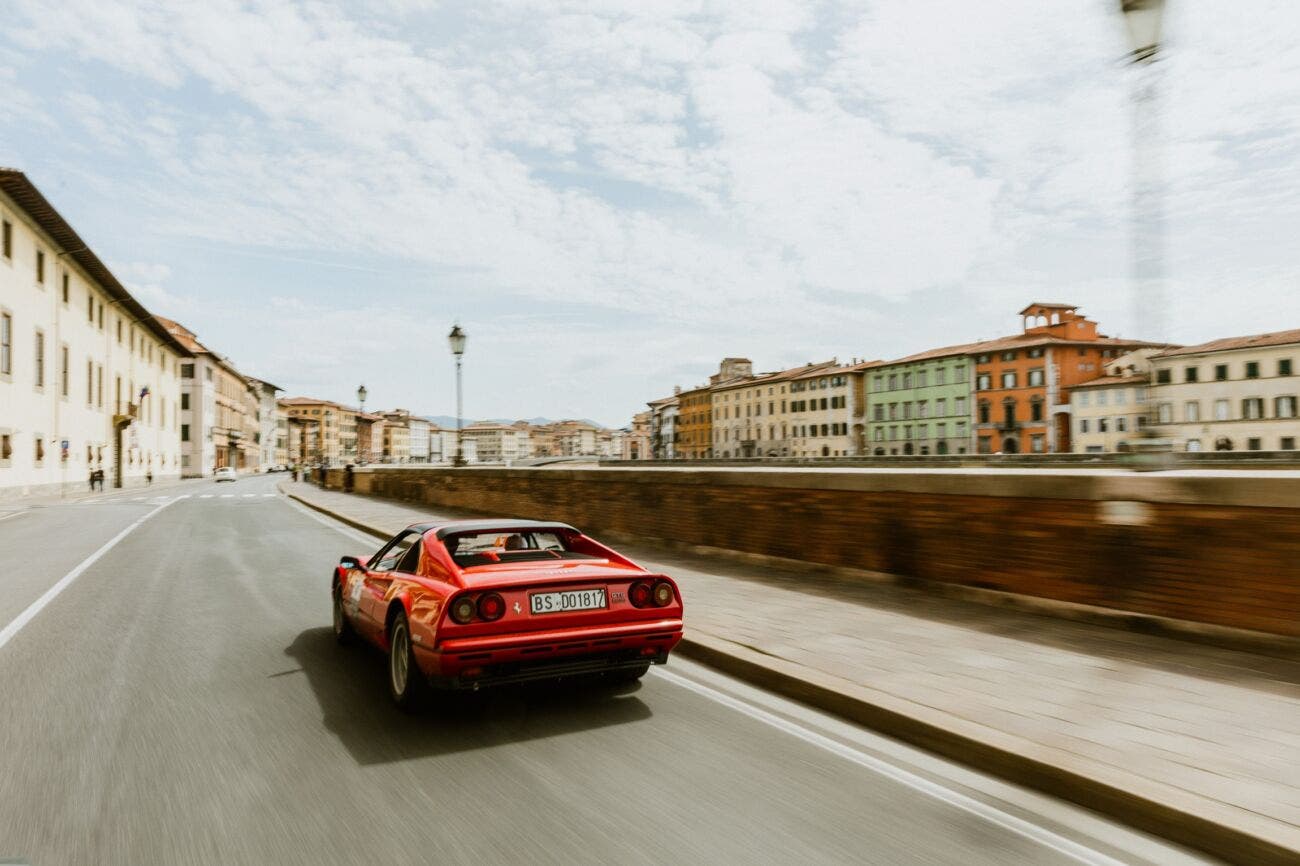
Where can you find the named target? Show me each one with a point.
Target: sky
(609, 197)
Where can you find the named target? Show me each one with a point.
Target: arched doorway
(1010, 445)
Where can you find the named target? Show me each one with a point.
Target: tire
(343, 632)
(406, 684)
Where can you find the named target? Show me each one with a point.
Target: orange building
(695, 423)
(1022, 383)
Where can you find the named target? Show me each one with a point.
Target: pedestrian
(148, 476)
(347, 478)
(92, 480)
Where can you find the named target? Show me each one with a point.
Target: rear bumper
(472, 663)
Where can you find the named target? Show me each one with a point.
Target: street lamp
(456, 339)
(362, 455)
(1142, 19)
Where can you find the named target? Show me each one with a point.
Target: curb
(987, 750)
(1011, 759)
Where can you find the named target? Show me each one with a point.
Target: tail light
(491, 606)
(639, 594)
(663, 593)
(462, 610)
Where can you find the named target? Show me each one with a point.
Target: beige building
(636, 438)
(219, 411)
(1107, 412)
(493, 443)
(327, 431)
(1235, 394)
(88, 379)
(397, 437)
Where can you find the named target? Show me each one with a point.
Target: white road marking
(227, 496)
(205, 495)
(12, 514)
(1019, 826)
(64, 582)
(250, 495)
(268, 495)
(137, 499)
(183, 496)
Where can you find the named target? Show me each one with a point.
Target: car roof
(455, 527)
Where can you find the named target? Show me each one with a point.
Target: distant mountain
(449, 421)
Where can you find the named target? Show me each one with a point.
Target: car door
(379, 576)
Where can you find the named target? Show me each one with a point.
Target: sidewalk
(1195, 743)
(82, 493)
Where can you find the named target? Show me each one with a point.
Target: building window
(187, 371)
(1253, 444)
(1121, 424)
(7, 239)
(1009, 413)
(1284, 407)
(1121, 396)
(1085, 398)
(1191, 374)
(1284, 367)
(40, 359)
(1220, 372)
(983, 359)
(1163, 377)
(1252, 369)
(878, 383)
(959, 373)
(983, 382)
(959, 406)
(1083, 425)
(1008, 356)
(907, 381)
(1009, 380)
(1103, 397)
(921, 378)
(1035, 378)
(1036, 410)
(1222, 410)
(1287, 443)
(940, 408)
(1036, 443)
(984, 413)
(63, 370)
(893, 381)
(1192, 411)
(1165, 413)
(40, 448)
(907, 411)
(941, 376)
(185, 432)
(1252, 408)
(185, 401)
(1193, 445)
(1103, 425)
(6, 445)
(6, 344)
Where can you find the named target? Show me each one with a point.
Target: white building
(1235, 394)
(442, 446)
(268, 422)
(494, 443)
(88, 379)
(1107, 412)
(418, 439)
(663, 426)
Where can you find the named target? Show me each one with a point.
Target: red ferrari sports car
(474, 603)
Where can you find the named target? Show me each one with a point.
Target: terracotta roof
(24, 193)
(264, 382)
(183, 335)
(1019, 341)
(1227, 344)
(1103, 381)
(1043, 306)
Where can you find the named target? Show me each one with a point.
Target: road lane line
(13, 514)
(1007, 821)
(64, 582)
(205, 495)
(227, 496)
(249, 495)
(268, 495)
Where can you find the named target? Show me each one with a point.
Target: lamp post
(456, 339)
(1142, 19)
(362, 455)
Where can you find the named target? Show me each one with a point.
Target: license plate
(563, 602)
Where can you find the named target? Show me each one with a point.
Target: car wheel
(343, 632)
(405, 682)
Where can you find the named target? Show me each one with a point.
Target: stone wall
(1216, 549)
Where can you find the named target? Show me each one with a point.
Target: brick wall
(1219, 550)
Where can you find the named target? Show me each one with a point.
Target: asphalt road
(180, 700)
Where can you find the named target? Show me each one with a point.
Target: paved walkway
(1218, 726)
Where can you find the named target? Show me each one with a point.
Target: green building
(921, 404)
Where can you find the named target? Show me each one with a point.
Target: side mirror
(350, 562)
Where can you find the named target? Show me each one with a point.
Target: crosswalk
(164, 498)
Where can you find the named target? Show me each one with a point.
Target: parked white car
(226, 473)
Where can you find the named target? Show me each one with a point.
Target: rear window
(505, 546)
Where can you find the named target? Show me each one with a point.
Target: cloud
(780, 179)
